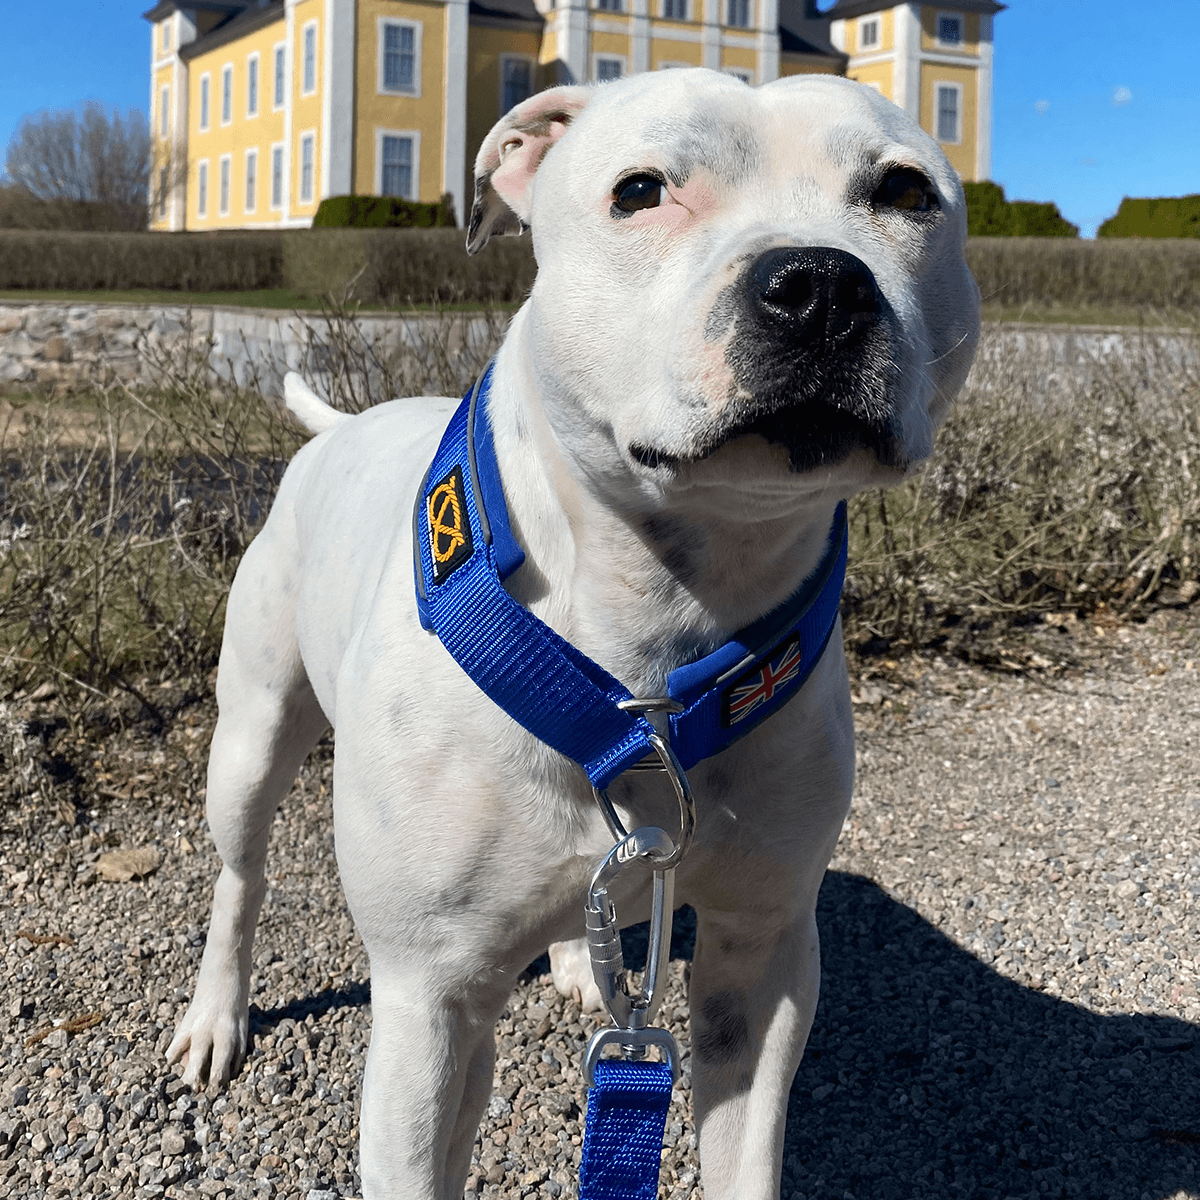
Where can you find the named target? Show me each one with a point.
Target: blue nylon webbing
(623, 1136)
(559, 694)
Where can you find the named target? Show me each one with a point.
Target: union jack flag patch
(763, 683)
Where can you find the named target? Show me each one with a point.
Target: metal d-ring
(668, 763)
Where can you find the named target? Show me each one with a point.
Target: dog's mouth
(813, 365)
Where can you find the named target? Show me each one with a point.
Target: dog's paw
(571, 969)
(209, 1044)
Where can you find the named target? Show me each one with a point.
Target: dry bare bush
(1051, 490)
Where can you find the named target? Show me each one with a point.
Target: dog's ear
(510, 156)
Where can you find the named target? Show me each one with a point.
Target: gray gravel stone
(1009, 935)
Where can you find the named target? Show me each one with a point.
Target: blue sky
(1094, 99)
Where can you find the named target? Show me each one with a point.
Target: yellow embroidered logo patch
(449, 528)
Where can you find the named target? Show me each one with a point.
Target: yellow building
(935, 61)
(262, 108)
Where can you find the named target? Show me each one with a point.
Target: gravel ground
(1009, 933)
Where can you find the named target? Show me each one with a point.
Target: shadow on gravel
(352, 995)
(927, 1074)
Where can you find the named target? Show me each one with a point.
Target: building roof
(249, 18)
(802, 30)
(166, 7)
(857, 8)
(523, 11)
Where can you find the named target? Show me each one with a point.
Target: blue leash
(463, 550)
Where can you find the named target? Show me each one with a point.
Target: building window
(949, 30)
(868, 33)
(949, 96)
(164, 110)
(226, 95)
(166, 36)
(608, 69)
(675, 10)
(516, 82)
(310, 58)
(276, 176)
(609, 5)
(202, 189)
(307, 145)
(396, 169)
(252, 86)
(251, 180)
(223, 195)
(279, 68)
(162, 191)
(737, 13)
(204, 82)
(399, 57)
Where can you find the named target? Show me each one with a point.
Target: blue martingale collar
(463, 550)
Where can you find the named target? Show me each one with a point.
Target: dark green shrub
(989, 214)
(383, 212)
(1164, 217)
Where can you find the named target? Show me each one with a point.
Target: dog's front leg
(428, 1078)
(753, 997)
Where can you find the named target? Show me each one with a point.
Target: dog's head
(758, 288)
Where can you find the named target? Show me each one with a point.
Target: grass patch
(1106, 316)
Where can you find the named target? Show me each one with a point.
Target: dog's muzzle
(812, 358)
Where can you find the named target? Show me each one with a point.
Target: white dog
(751, 303)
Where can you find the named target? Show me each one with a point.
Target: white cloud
(1122, 95)
(1042, 107)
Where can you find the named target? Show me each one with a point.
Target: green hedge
(425, 266)
(1126, 273)
(989, 214)
(196, 262)
(383, 212)
(1164, 217)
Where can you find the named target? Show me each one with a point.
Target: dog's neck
(640, 591)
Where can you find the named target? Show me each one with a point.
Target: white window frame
(224, 183)
(164, 110)
(938, 84)
(414, 135)
(202, 188)
(531, 62)
(250, 202)
(226, 95)
(279, 65)
(597, 59)
(254, 75)
(418, 28)
(872, 23)
(937, 30)
(277, 148)
(305, 89)
(685, 4)
(309, 135)
(749, 4)
(205, 106)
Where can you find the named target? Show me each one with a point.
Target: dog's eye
(906, 189)
(638, 192)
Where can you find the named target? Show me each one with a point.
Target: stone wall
(48, 344)
(66, 346)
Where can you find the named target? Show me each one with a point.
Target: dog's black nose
(815, 292)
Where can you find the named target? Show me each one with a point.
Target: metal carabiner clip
(631, 1013)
